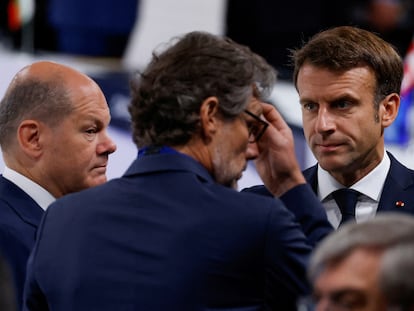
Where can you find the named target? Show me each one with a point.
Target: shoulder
(396, 165)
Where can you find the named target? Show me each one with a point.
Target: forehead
(359, 269)
(314, 80)
(89, 101)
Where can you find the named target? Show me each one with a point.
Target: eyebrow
(337, 294)
(336, 99)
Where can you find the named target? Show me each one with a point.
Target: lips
(101, 167)
(328, 147)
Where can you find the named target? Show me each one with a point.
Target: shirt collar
(371, 185)
(40, 195)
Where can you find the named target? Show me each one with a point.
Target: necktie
(346, 200)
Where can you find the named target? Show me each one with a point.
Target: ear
(209, 117)
(28, 135)
(389, 107)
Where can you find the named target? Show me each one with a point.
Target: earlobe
(209, 116)
(28, 135)
(390, 105)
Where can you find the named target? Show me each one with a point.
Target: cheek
(307, 124)
(307, 132)
(364, 131)
(80, 144)
(79, 156)
(239, 150)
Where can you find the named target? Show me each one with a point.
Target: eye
(253, 128)
(349, 300)
(343, 104)
(90, 133)
(309, 106)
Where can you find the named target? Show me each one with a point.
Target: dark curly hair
(167, 96)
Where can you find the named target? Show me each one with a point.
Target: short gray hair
(31, 98)
(385, 230)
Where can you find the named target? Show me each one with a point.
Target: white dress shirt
(40, 195)
(370, 188)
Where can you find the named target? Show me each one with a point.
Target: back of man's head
(167, 95)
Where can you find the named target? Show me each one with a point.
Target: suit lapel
(20, 202)
(311, 177)
(398, 191)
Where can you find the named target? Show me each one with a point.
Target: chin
(98, 181)
(332, 166)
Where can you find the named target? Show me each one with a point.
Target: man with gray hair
(365, 266)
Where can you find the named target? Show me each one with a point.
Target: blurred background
(111, 39)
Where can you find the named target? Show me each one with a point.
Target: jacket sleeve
(308, 210)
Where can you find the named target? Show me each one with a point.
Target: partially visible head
(343, 48)
(349, 266)
(53, 121)
(197, 76)
(396, 276)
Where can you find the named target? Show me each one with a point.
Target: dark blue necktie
(346, 200)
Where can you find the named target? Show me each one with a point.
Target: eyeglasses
(257, 128)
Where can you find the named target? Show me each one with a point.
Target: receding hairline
(64, 78)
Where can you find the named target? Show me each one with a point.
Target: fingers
(278, 130)
(273, 116)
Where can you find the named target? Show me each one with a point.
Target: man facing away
(53, 122)
(173, 233)
(349, 81)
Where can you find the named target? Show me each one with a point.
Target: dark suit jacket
(397, 194)
(19, 218)
(398, 187)
(165, 236)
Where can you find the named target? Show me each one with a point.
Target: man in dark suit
(173, 233)
(349, 81)
(53, 123)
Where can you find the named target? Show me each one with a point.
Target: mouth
(101, 168)
(328, 147)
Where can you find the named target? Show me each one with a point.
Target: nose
(324, 122)
(107, 146)
(252, 151)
